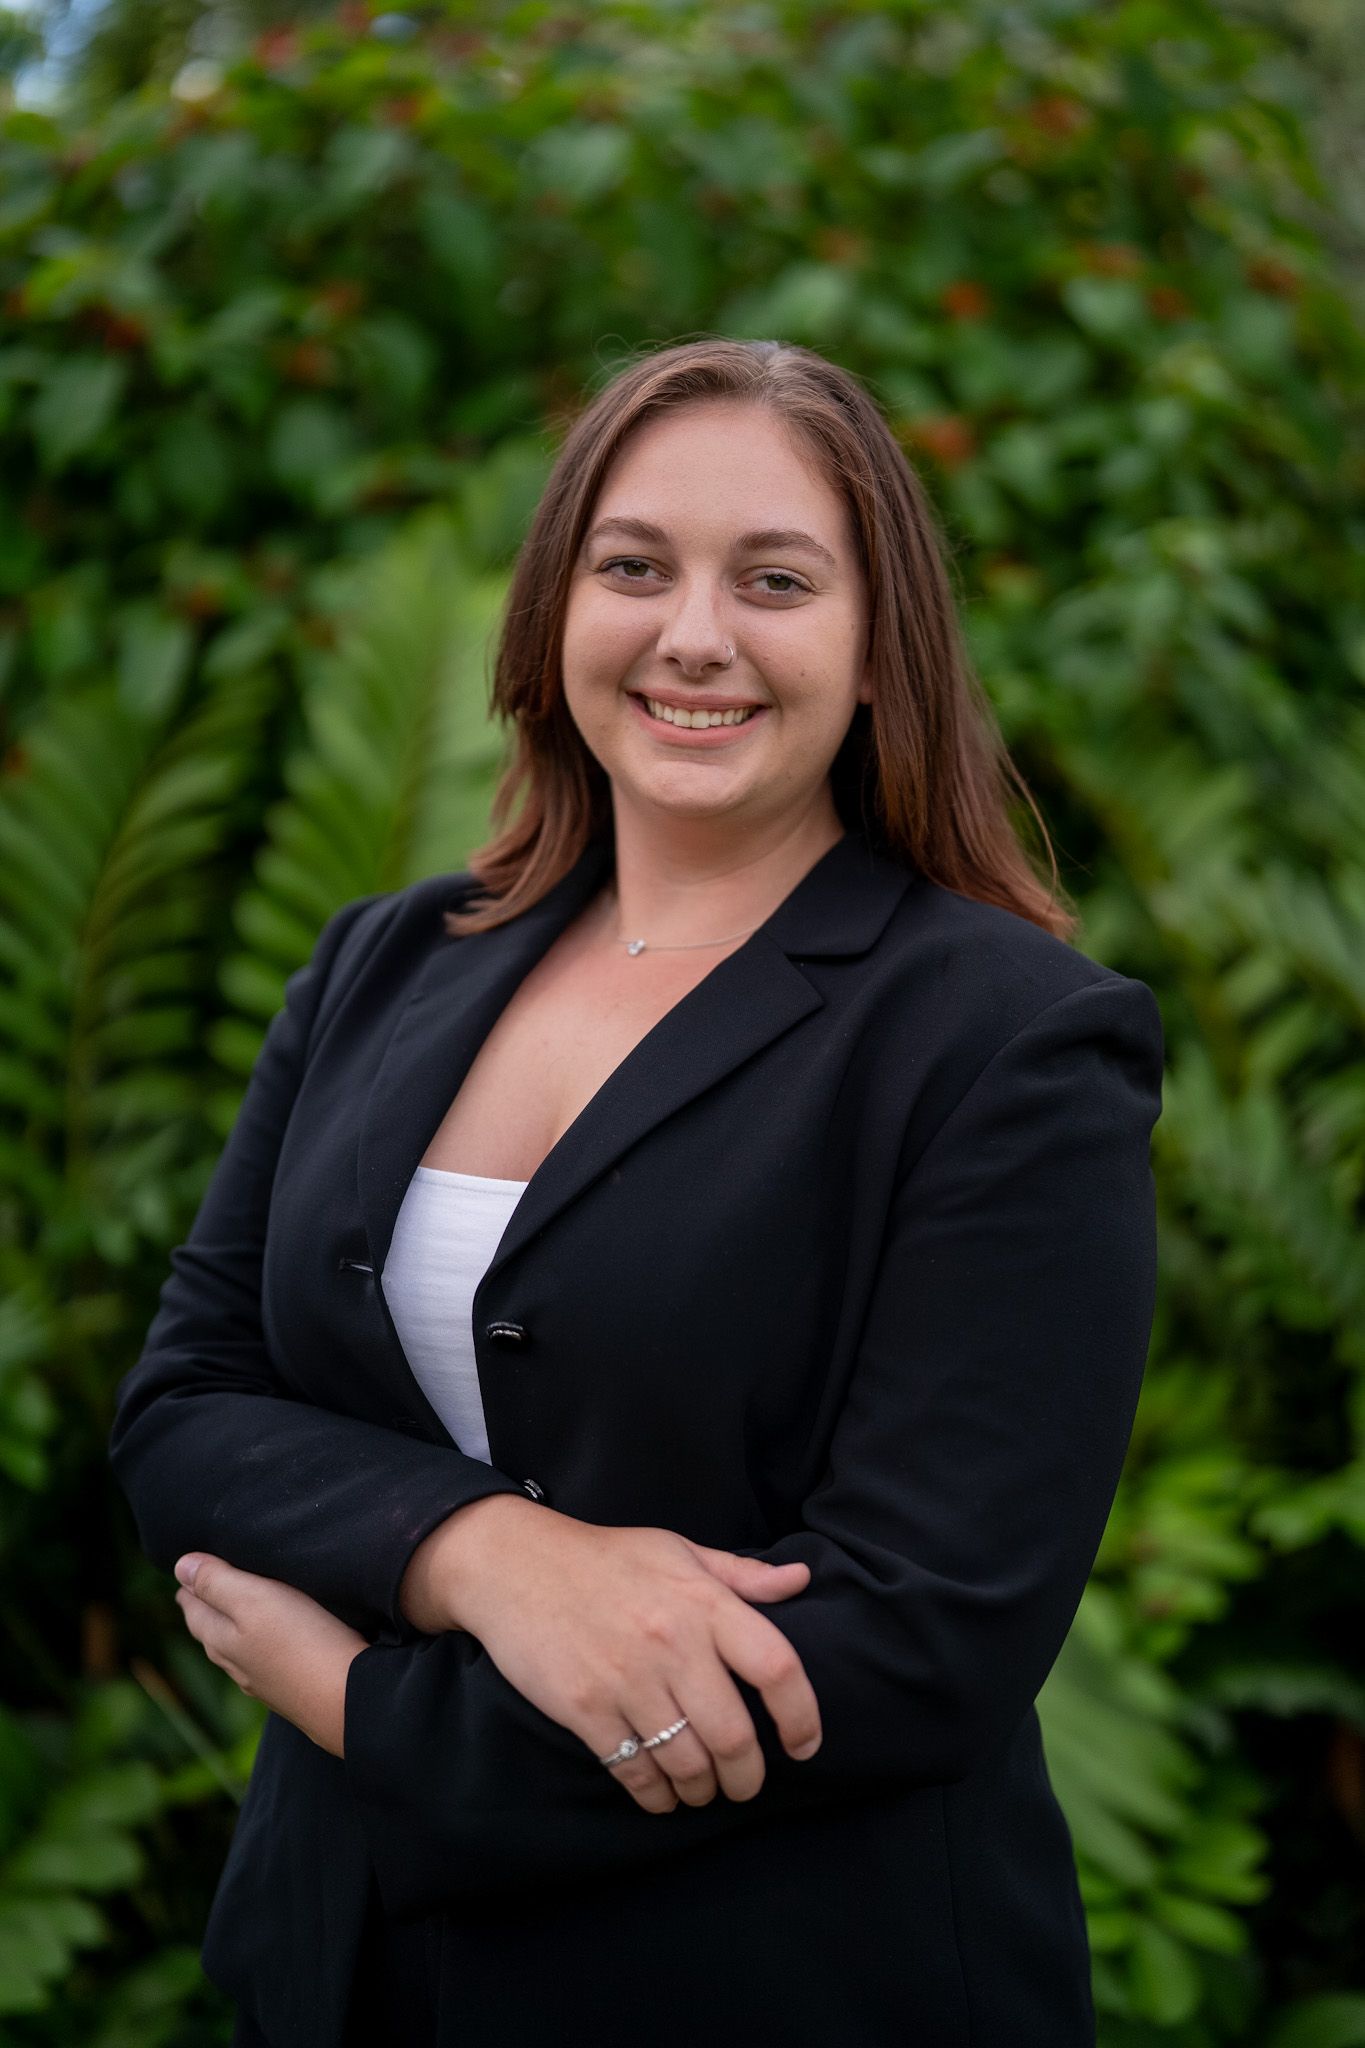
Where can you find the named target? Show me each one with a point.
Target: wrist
(328, 1726)
(438, 1588)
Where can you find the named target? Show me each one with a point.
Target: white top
(447, 1231)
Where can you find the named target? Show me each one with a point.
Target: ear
(865, 687)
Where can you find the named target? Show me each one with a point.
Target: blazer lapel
(748, 999)
(461, 989)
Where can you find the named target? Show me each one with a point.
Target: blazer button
(536, 1492)
(508, 1334)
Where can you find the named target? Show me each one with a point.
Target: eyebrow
(786, 539)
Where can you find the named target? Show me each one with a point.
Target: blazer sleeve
(969, 1479)
(207, 1444)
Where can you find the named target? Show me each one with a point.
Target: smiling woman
(700, 632)
(737, 1146)
(787, 560)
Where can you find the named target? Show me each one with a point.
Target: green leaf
(154, 658)
(194, 464)
(809, 301)
(1163, 1980)
(75, 406)
(1110, 308)
(1200, 1923)
(91, 1860)
(310, 439)
(119, 1794)
(1332, 2020)
(359, 162)
(943, 165)
(583, 160)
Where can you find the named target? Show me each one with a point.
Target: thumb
(753, 1578)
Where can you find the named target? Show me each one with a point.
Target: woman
(651, 1581)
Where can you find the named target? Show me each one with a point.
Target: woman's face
(712, 531)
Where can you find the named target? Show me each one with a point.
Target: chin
(671, 804)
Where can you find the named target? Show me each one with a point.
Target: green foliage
(1331, 2022)
(390, 779)
(1157, 1804)
(80, 1842)
(286, 339)
(85, 1799)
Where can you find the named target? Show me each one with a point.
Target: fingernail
(807, 1749)
(185, 1569)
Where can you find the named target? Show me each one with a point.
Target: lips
(696, 703)
(665, 733)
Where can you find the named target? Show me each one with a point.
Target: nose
(693, 639)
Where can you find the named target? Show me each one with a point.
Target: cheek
(600, 639)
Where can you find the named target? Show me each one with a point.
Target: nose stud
(729, 655)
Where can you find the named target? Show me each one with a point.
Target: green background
(290, 328)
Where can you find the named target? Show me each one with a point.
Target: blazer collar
(839, 908)
(841, 905)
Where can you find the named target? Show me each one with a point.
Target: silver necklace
(634, 946)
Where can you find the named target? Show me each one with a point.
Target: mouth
(717, 724)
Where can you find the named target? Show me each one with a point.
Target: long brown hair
(923, 769)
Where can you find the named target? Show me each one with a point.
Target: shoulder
(965, 992)
(984, 953)
(987, 966)
(387, 923)
(412, 912)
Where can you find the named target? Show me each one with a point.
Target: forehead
(718, 468)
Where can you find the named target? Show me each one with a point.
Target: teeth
(672, 717)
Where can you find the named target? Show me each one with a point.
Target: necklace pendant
(635, 945)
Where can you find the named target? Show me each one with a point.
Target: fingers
(212, 1579)
(718, 1749)
(206, 1623)
(753, 1578)
(684, 1761)
(212, 1607)
(214, 1631)
(646, 1783)
(759, 1653)
(724, 1731)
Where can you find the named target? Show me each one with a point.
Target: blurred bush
(286, 342)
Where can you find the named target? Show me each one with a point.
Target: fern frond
(393, 779)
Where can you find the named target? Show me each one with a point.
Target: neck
(682, 887)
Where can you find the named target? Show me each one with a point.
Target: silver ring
(628, 1749)
(633, 1744)
(665, 1734)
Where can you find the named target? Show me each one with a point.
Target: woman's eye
(795, 588)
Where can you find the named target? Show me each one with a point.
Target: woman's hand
(278, 1644)
(618, 1631)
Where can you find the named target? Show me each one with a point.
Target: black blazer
(852, 1260)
